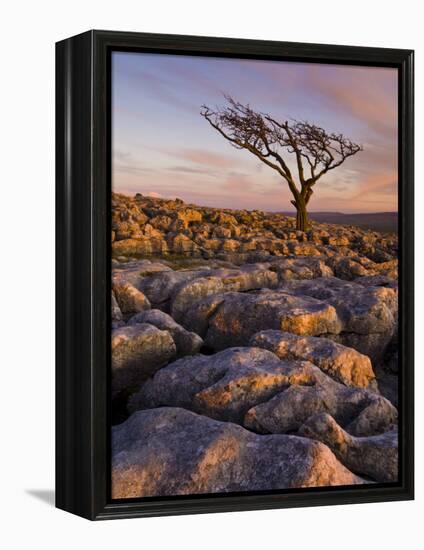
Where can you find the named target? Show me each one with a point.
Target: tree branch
(267, 138)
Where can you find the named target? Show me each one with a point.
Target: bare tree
(315, 150)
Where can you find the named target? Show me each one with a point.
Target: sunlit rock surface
(187, 343)
(254, 388)
(171, 451)
(375, 456)
(344, 364)
(249, 355)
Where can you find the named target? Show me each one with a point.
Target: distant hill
(384, 222)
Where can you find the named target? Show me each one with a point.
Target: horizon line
(279, 211)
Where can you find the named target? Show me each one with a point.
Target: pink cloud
(239, 183)
(200, 156)
(378, 185)
(362, 93)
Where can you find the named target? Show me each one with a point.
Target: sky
(162, 147)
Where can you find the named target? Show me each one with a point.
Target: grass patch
(175, 261)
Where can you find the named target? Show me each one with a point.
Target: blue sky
(162, 146)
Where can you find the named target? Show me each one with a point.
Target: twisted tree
(315, 150)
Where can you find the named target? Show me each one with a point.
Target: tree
(315, 150)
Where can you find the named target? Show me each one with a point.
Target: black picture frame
(83, 272)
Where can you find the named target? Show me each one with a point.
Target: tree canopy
(315, 150)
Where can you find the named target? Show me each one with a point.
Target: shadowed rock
(343, 364)
(116, 313)
(219, 281)
(197, 316)
(188, 343)
(349, 268)
(377, 280)
(172, 451)
(158, 287)
(374, 456)
(137, 352)
(134, 271)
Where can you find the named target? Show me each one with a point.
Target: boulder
(219, 218)
(152, 233)
(379, 255)
(224, 386)
(217, 282)
(144, 246)
(375, 456)
(377, 280)
(351, 267)
(252, 387)
(134, 271)
(230, 245)
(300, 268)
(163, 223)
(374, 345)
(182, 244)
(129, 298)
(211, 245)
(187, 343)
(338, 240)
(125, 229)
(191, 292)
(158, 287)
(343, 364)
(221, 232)
(116, 312)
(189, 216)
(196, 317)
(359, 411)
(171, 451)
(362, 309)
(177, 291)
(240, 315)
(368, 314)
(303, 249)
(138, 351)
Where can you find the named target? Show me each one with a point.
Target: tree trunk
(302, 221)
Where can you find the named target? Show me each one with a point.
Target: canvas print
(254, 223)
